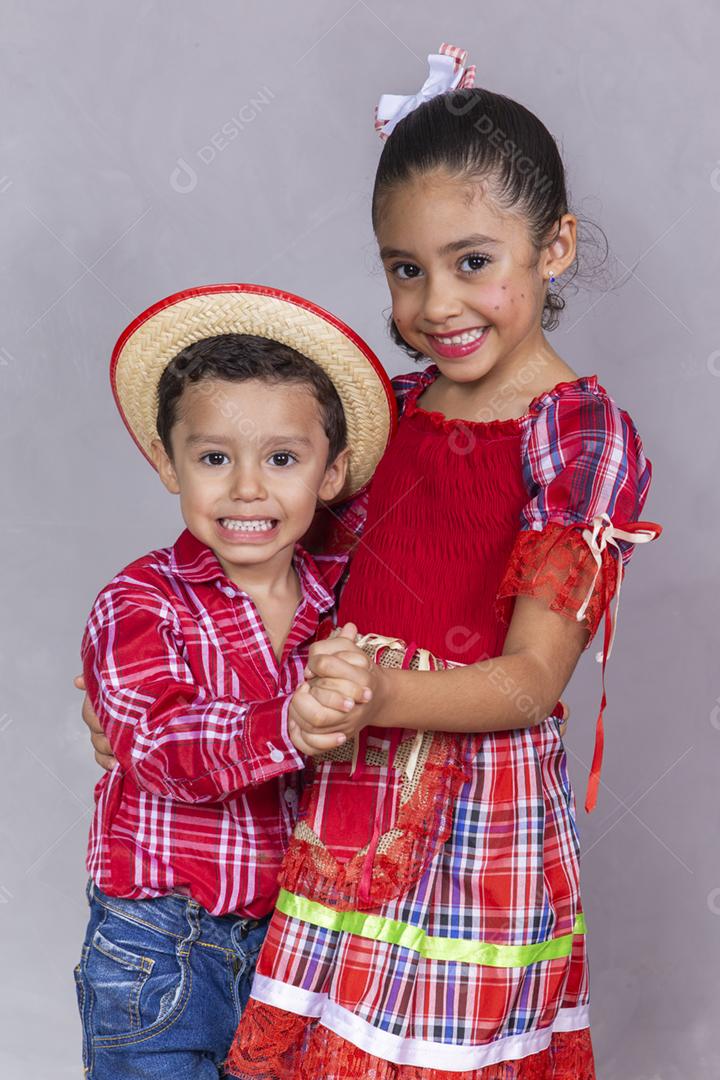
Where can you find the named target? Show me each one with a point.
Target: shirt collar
(195, 562)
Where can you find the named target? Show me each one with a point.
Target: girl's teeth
(463, 339)
(246, 526)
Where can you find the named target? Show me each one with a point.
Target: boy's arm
(171, 735)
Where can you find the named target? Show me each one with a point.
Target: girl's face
(467, 285)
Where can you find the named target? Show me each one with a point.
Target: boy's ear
(334, 478)
(164, 466)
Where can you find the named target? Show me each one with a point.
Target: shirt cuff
(270, 750)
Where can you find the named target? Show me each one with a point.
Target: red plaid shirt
(182, 675)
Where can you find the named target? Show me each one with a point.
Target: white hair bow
(447, 72)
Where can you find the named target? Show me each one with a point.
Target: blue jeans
(161, 986)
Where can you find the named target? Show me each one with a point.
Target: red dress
(469, 959)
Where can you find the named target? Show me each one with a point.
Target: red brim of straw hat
(155, 337)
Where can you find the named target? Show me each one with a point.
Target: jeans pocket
(117, 977)
(138, 979)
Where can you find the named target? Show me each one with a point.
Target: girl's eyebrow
(475, 240)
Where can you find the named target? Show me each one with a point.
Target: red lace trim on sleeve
(557, 566)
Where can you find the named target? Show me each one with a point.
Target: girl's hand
(103, 750)
(341, 644)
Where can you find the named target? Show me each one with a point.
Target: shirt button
(275, 755)
(228, 591)
(289, 796)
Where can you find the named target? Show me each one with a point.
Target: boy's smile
(250, 461)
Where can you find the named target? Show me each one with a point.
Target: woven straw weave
(161, 337)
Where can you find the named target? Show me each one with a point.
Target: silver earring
(552, 278)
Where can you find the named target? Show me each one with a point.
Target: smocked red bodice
(443, 516)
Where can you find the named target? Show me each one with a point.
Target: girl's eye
(215, 457)
(475, 262)
(282, 458)
(405, 271)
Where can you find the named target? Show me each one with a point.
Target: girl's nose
(439, 302)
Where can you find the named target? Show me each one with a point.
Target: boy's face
(250, 461)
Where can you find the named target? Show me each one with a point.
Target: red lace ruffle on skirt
(421, 827)
(283, 1046)
(557, 566)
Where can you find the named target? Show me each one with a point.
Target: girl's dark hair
(238, 358)
(478, 135)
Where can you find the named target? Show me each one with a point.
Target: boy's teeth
(463, 339)
(260, 525)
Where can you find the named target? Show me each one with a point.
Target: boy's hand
(312, 727)
(342, 678)
(103, 750)
(340, 673)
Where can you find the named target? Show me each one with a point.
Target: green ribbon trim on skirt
(379, 928)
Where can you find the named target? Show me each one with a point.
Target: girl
(430, 925)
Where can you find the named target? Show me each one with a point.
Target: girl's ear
(164, 466)
(334, 478)
(560, 252)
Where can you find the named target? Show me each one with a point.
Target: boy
(193, 659)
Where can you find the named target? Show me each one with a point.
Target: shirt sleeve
(170, 734)
(582, 458)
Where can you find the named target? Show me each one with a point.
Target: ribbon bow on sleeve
(447, 72)
(603, 534)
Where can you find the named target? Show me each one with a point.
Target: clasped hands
(339, 696)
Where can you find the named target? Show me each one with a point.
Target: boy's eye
(475, 262)
(282, 458)
(215, 457)
(405, 271)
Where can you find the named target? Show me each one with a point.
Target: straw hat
(147, 346)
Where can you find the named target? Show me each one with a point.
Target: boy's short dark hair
(238, 358)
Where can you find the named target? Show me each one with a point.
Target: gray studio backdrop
(151, 146)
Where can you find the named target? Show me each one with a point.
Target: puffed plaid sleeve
(583, 462)
(170, 734)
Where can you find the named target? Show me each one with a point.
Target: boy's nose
(247, 484)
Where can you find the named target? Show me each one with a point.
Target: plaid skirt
(481, 962)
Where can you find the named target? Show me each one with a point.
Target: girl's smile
(460, 343)
(466, 282)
